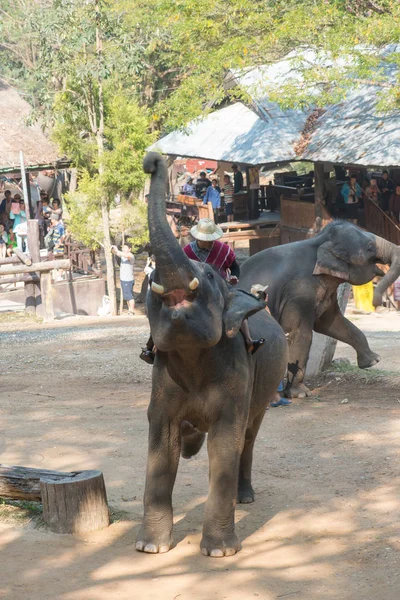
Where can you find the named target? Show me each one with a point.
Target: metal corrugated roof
(351, 132)
(235, 134)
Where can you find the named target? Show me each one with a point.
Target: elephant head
(189, 306)
(347, 252)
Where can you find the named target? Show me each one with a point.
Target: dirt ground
(325, 524)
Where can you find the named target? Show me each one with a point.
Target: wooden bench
(261, 234)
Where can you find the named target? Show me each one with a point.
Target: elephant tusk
(194, 284)
(158, 289)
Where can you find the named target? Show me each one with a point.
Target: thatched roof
(15, 135)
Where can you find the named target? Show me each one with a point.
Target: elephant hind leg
(192, 440)
(245, 493)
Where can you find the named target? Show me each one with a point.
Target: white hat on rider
(206, 231)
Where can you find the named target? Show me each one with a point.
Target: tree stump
(75, 505)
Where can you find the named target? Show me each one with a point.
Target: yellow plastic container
(363, 295)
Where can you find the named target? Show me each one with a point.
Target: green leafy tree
(81, 57)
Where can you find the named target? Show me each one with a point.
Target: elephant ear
(240, 306)
(330, 261)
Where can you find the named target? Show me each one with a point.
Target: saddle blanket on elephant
(221, 256)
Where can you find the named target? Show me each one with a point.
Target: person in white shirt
(126, 275)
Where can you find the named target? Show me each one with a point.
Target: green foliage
(127, 134)
(131, 218)
(84, 212)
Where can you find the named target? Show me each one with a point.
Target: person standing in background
(237, 179)
(394, 205)
(386, 188)
(372, 192)
(20, 223)
(202, 184)
(213, 196)
(189, 189)
(228, 197)
(126, 274)
(5, 205)
(3, 241)
(352, 194)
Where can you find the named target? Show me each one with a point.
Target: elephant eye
(210, 276)
(370, 246)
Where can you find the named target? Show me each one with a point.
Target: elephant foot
(365, 361)
(245, 494)
(219, 547)
(152, 543)
(297, 391)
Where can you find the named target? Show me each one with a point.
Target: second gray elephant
(303, 278)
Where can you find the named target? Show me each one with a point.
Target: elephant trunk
(387, 253)
(174, 270)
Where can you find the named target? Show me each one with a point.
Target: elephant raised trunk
(387, 253)
(174, 270)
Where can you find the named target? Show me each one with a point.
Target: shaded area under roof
(15, 135)
(351, 132)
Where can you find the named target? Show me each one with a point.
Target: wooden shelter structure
(16, 135)
(353, 134)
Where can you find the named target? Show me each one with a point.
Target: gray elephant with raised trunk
(204, 380)
(302, 280)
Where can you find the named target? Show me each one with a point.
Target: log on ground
(23, 483)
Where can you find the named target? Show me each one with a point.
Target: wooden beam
(22, 257)
(18, 278)
(63, 263)
(11, 260)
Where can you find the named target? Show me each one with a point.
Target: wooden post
(32, 289)
(319, 189)
(47, 297)
(34, 250)
(75, 505)
(323, 348)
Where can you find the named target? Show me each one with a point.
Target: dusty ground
(325, 524)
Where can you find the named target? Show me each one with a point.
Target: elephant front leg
(155, 535)
(335, 325)
(299, 341)
(224, 449)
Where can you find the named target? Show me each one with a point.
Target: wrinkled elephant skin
(302, 279)
(204, 380)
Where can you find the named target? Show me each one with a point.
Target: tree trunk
(75, 504)
(104, 200)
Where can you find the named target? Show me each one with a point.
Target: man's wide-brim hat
(206, 231)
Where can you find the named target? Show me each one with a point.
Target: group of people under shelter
(209, 191)
(383, 192)
(14, 215)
